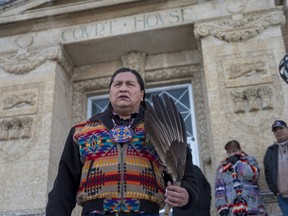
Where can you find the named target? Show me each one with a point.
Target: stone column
(241, 51)
(35, 117)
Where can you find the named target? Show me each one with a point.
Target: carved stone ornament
(135, 60)
(252, 99)
(15, 136)
(200, 111)
(171, 73)
(27, 60)
(239, 27)
(19, 102)
(235, 6)
(24, 41)
(28, 98)
(20, 110)
(247, 70)
(250, 105)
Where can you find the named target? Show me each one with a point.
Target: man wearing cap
(276, 165)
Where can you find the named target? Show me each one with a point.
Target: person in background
(203, 203)
(109, 167)
(276, 165)
(236, 189)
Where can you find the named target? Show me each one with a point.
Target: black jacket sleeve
(62, 197)
(271, 167)
(189, 182)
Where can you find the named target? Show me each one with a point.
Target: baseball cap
(278, 124)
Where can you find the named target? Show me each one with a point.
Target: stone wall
(52, 59)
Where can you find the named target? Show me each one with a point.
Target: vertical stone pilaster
(35, 99)
(240, 56)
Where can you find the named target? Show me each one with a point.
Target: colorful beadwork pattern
(121, 134)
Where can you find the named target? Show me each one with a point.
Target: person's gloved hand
(233, 159)
(224, 212)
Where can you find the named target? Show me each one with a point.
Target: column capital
(25, 60)
(240, 27)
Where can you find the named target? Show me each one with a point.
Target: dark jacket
(202, 205)
(271, 167)
(83, 170)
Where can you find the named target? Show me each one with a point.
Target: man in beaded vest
(109, 167)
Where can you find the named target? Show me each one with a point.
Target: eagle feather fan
(166, 128)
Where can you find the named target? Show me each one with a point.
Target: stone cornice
(8, 17)
(240, 27)
(26, 60)
(16, 7)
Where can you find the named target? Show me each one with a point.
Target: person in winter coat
(236, 190)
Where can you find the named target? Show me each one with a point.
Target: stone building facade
(54, 54)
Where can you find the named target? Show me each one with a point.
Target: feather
(162, 114)
(175, 118)
(151, 122)
(165, 126)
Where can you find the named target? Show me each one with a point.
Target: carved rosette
(241, 27)
(27, 60)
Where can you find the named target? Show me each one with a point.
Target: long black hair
(232, 143)
(138, 77)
